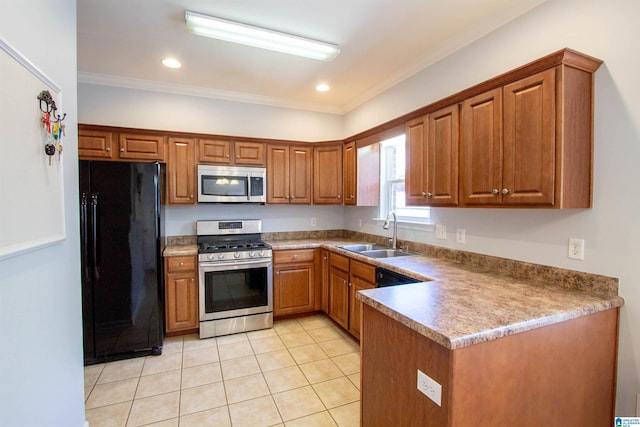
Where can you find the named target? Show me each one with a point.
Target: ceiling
(122, 42)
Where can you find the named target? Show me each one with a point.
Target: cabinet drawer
(339, 261)
(294, 255)
(364, 271)
(181, 263)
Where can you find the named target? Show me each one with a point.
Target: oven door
(233, 289)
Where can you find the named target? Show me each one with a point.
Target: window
(392, 196)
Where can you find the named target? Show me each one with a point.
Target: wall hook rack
(52, 123)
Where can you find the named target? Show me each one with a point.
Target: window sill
(409, 225)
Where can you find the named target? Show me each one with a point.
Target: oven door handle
(233, 265)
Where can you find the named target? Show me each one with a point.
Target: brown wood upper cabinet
(228, 152)
(141, 147)
(350, 173)
(432, 158)
(181, 172)
(529, 142)
(101, 145)
(95, 144)
(327, 175)
(289, 174)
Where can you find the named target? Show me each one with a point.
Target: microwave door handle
(249, 187)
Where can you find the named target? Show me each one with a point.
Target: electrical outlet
(441, 231)
(576, 249)
(460, 235)
(314, 222)
(430, 388)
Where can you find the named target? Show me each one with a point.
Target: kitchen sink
(375, 251)
(385, 253)
(362, 247)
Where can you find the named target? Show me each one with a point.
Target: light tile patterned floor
(303, 372)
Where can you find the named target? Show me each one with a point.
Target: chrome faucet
(394, 239)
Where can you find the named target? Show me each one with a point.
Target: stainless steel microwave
(231, 184)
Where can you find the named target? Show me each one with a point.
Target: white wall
(609, 31)
(606, 30)
(41, 368)
(153, 110)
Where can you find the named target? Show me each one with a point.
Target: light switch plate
(430, 388)
(441, 231)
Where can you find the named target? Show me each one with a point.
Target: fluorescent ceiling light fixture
(222, 29)
(323, 87)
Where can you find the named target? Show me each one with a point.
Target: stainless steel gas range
(236, 282)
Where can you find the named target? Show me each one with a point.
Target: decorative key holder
(52, 124)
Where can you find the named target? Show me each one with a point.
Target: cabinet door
(350, 173)
(442, 156)
(529, 140)
(278, 174)
(214, 151)
(181, 301)
(416, 161)
(249, 153)
(339, 296)
(327, 175)
(300, 175)
(481, 149)
(95, 144)
(293, 288)
(141, 147)
(324, 280)
(368, 175)
(362, 277)
(181, 179)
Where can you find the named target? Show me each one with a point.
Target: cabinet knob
(350, 284)
(352, 197)
(424, 194)
(505, 191)
(325, 258)
(295, 256)
(277, 272)
(191, 196)
(287, 197)
(193, 280)
(122, 150)
(181, 264)
(107, 149)
(293, 197)
(339, 196)
(429, 195)
(237, 156)
(227, 156)
(495, 192)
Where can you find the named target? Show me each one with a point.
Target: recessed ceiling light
(323, 87)
(171, 63)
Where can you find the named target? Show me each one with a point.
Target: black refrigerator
(122, 288)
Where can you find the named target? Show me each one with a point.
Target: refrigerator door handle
(94, 225)
(84, 236)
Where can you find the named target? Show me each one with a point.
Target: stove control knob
(262, 253)
(252, 254)
(221, 256)
(236, 255)
(210, 256)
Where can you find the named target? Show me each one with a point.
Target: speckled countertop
(461, 304)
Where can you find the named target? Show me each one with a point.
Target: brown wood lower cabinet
(181, 295)
(294, 282)
(362, 276)
(559, 375)
(339, 289)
